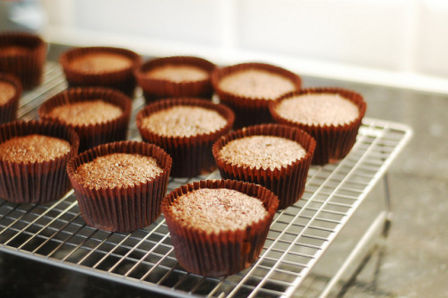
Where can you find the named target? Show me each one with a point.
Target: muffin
(248, 88)
(331, 115)
(98, 115)
(23, 55)
(33, 158)
(102, 67)
(186, 128)
(178, 76)
(119, 186)
(10, 92)
(218, 227)
(275, 156)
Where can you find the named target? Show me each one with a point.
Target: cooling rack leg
(387, 202)
(374, 229)
(385, 232)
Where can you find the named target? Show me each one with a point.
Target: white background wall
(394, 42)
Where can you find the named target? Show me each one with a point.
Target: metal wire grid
(299, 235)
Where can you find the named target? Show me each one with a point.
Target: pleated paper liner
(333, 142)
(122, 80)
(226, 252)
(154, 89)
(28, 67)
(8, 110)
(91, 135)
(191, 155)
(35, 182)
(287, 182)
(121, 209)
(248, 110)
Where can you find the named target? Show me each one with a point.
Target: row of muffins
(257, 93)
(23, 55)
(188, 129)
(196, 134)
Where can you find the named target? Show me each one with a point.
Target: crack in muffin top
(86, 112)
(256, 83)
(100, 62)
(266, 152)
(216, 210)
(117, 169)
(33, 148)
(177, 73)
(318, 109)
(184, 121)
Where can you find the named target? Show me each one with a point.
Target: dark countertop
(415, 261)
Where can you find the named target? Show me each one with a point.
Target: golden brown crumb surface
(267, 152)
(256, 83)
(215, 210)
(117, 169)
(100, 62)
(7, 91)
(86, 112)
(33, 148)
(177, 73)
(14, 50)
(184, 121)
(318, 109)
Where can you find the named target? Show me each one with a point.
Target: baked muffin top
(33, 148)
(7, 91)
(86, 112)
(318, 109)
(100, 62)
(184, 121)
(259, 151)
(256, 83)
(117, 169)
(216, 210)
(13, 50)
(177, 73)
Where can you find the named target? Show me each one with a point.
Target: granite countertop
(414, 262)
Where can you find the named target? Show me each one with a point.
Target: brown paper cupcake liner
(38, 182)
(27, 67)
(287, 182)
(8, 111)
(121, 209)
(333, 142)
(122, 80)
(191, 155)
(91, 135)
(248, 110)
(154, 89)
(226, 252)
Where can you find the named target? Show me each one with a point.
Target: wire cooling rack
(56, 233)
